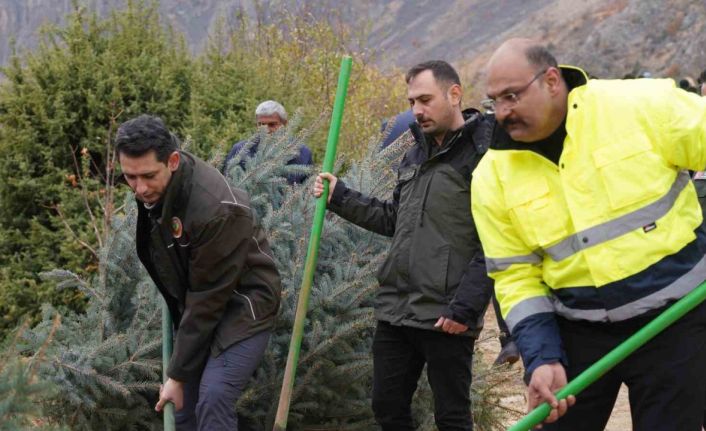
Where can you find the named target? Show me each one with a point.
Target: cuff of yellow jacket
(551, 358)
(538, 339)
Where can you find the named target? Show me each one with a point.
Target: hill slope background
(608, 37)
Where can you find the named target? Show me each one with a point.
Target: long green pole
(615, 356)
(166, 356)
(313, 251)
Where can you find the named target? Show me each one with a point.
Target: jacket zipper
(424, 200)
(448, 145)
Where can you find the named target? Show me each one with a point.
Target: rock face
(608, 37)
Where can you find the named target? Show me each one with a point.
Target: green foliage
(490, 386)
(106, 360)
(58, 107)
(295, 60)
(334, 374)
(21, 392)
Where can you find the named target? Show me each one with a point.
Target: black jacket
(435, 266)
(210, 261)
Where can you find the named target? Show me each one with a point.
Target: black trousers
(666, 377)
(399, 355)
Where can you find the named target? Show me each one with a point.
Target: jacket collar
(178, 190)
(574, 76)
(424, 140)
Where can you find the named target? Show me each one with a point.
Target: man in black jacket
(433, 288)
(198, 239)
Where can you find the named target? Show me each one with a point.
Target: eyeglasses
(508, 100)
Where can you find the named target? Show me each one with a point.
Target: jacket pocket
(537, 214)
(404, 182)
(627, 172)
(260, 300)
(249, 305)
(386, 275)
(429, 278)
(428, 270)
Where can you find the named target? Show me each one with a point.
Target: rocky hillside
(608, 37)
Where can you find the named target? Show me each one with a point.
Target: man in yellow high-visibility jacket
(591, 226)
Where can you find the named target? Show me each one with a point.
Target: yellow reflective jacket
(611, 232)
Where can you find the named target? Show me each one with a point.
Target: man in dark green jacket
(433, 287)
(199, 241)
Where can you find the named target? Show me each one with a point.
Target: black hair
(139, 136)
(442, 71)
(540, 57)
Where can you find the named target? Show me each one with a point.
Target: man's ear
(455, 94)
(173, 161)
(553, 80)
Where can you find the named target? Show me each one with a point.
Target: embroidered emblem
(177, 227)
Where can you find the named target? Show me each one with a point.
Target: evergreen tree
(60, 103)
(21, 391)
(107, 360)
(334, 374)
(57, 108)
(291, 57)
(58, 111)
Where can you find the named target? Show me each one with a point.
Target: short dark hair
(143, 134)
(441, 70)
(540, 57)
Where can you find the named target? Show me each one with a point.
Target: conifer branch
(57, 209)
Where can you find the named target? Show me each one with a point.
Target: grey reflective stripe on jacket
(601, 233)
(621, 225)
(526, 308)
(656, 300)
(503, 263)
